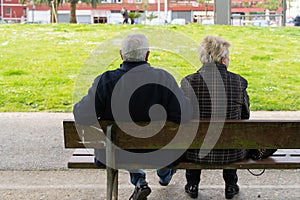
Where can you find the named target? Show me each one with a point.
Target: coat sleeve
(188, 91)
(84, 111)
(184, 113)
(246, 102)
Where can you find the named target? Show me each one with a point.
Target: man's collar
(129, 65)
(208, 66)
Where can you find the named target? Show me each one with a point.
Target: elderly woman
(220, 95)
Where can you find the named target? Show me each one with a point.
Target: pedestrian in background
(124, 13)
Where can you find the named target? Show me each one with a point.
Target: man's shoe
(192, 190)
(140, 193)
(166, 180)
(231, 190)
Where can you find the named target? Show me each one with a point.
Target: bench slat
(83, 162)
(242, 134)
(83, 152)
(77, 136)
(282, 159)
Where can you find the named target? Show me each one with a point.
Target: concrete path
(33, 166)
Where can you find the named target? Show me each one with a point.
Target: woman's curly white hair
(212, 49)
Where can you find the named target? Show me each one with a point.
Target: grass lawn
(49, 67)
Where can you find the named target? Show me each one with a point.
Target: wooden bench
(244, 134)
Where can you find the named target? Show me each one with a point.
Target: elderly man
(133, 72)
(220, 95)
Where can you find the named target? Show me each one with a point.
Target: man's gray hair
(212, 49)
(135, 48)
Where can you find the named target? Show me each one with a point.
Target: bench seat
(282, 159)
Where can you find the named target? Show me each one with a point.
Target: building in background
(12, 11)
(201, 11)
(293, 8)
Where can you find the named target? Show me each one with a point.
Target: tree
(133, 15)
(73, 19)
(206, 5)
(53, 4)
(272, 4)
(53, 10)
(73, 4)
(151, 16)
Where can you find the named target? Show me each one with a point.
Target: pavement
(33, 166)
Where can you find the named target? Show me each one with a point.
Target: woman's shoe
(192, 190)
(231, 190)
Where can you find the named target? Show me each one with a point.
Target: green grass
(49, 67)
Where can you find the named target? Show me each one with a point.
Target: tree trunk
(73, 12)
(53, 11)
(52, 18)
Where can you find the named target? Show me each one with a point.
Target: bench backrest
(234, 134)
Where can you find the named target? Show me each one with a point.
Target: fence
(257, 20)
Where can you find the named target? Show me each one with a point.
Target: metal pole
(283, 12)
(222, 11)
(33, 7)
(2, 14)
(158, 9)
(166, 9)
(32, 10)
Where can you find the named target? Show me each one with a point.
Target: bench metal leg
(116, 185)
(112, 172)
(112, 184)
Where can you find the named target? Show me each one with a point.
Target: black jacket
(140, 86)
(219, 95)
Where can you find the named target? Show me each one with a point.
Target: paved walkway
(33, 166)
